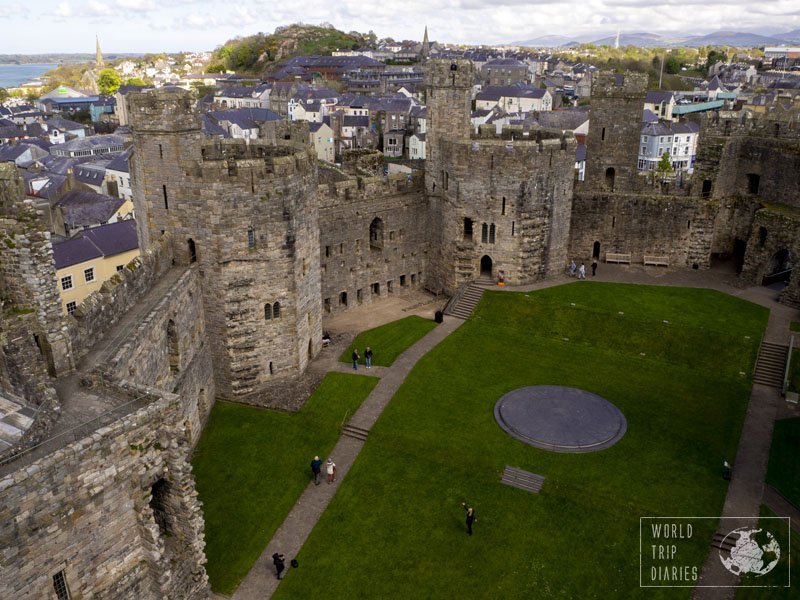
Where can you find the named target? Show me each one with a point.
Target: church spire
(426, 47)
(98, 55)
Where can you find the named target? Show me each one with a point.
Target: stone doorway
(596, 250)
(780, 268)
(486, 266)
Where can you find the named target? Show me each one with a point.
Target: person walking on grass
(316, 469)
(330, 469)
(355, 359)
(368, 357)
(471, 518)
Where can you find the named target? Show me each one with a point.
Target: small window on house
(267, 311)
(491, 233)
(251, 238)
(120, 268)
(71, 306)
(484, 233)
(66, 282)
(88, 275)
(276, 310)
(60, 586)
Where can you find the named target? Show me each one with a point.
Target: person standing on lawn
(471, 518)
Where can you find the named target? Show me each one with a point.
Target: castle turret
(615, 127)
(448, 92)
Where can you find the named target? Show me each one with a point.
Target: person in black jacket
(278, 560)
(471, 518)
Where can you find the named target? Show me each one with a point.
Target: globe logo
(749, 555)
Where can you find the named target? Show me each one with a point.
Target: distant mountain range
(650, 40)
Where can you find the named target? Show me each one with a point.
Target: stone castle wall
(357, 269)
(88, 510)
(680, 228)
(773, 231)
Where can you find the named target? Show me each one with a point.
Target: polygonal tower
(615, 127)
(247, 214)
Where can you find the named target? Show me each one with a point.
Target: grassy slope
(252, 464)
(396, 526)
(389, 341)
(783, 472)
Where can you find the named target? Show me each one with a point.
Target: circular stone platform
(560, 419)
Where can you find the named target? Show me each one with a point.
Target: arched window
(267, 311)
(484, 233)
(491, 233)
(276, 310)
(376, 233)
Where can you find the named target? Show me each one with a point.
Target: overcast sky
(38, 26)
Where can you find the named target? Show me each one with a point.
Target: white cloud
(137, 5)
(99, 8)
(64, 10)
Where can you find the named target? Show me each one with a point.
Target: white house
(512, 99)
(678, 139)
(416, 146)
(322, 140)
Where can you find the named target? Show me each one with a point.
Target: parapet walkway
(744, 493)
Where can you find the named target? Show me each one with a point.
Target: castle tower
(615, 125)
(448, 94)
(247, 214)
(98, 59)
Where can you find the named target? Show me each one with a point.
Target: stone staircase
(466, 301)
(771, 365)
(357, 433)
(523, 480)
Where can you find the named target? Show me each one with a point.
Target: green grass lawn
(794, 326)
(396, 527)
(252, 464)
(389, 341)
(783, 472)
(779, 575)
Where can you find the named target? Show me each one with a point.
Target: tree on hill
(108, 82)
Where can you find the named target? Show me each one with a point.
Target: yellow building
(84, 262)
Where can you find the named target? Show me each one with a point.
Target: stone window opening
(446, 180)
(271, 368)
(390, 286)
(376, 289)
(468, 229)
(251, 238)
(777, 129)
(341, 248)
(160, 151)
(689, 224)
(762, 236)
(166, 200)
(327, 305)
(753, 181)
(359, 296)
(172, 346)
(484, 233)
(159, 498)
(268, 311)
(491, 233)
(413, 279)
(402, 281)
(60, 586)
(706, 192)
(276, 310)
(192, 250)
(343, 299)
(610, 176)
(327, 251)
(513, 226)
(376, 233)
(503, 207)
(603, 134)
(596, 250)
(613, 222)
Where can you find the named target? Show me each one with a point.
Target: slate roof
(9, 153)
(120, 163)
(91, 173)
(648, 116)
(51, 187)
(505, 62)
(211, 127)
(81, 207)
(11, 132)
(245, 118)
(670, 129)
(563, 119)
(356, 121)
(63, 124)
(580, 153)
(657, 97)
(106, 240)
(496, 92)
(90, 143)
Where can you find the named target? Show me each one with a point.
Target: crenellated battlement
(372, 189)
(162, 111)
(449, 73)
(606, 84)
(776, 124)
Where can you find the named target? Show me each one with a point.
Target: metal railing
(788, 366)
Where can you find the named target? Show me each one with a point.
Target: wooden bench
(656, 261)
(618, 258)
